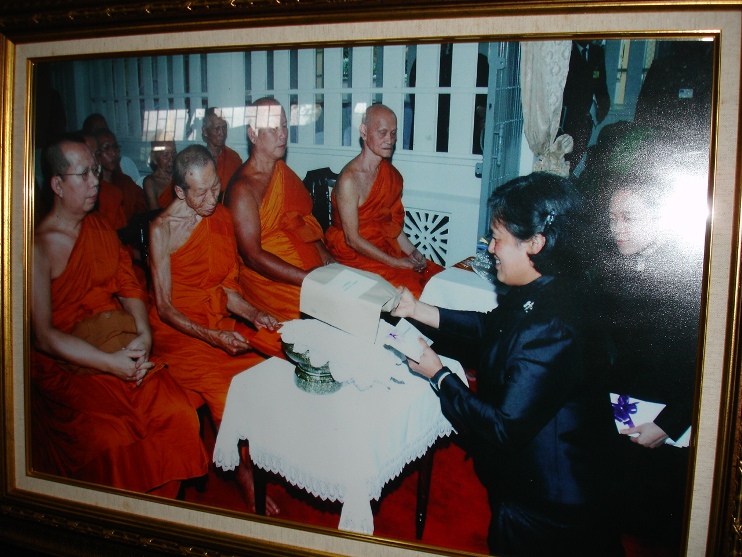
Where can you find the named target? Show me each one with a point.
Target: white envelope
(403, 337)
(645, 411)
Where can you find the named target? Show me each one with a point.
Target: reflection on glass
(461, 135)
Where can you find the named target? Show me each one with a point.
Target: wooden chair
(136, 235)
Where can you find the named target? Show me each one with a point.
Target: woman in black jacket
(534, 417)
(650, 292)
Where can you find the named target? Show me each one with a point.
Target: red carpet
(458, 513)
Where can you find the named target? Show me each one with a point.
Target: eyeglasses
(94, 170)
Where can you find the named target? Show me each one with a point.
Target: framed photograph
(157, 66)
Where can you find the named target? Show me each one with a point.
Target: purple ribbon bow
(623, 409)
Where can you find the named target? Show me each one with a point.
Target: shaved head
(264, 113)
(376, 111)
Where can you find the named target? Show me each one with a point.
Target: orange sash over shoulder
(90, 425)
(166, 196)
(289, 231)
(380, 221)
(201, 269)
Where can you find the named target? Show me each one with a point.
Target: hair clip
(549, 219)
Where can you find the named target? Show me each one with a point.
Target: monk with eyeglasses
(102, 410)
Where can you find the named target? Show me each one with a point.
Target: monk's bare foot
(244, 478)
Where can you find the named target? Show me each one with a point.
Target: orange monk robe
(135, 201)
(289, 231)
(167, 195)
(200, 270)
(227, 164)
(111, 204)
(93, 426)
(380, 221)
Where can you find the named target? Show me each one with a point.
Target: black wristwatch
(437, 379)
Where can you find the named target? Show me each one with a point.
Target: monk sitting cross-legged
(102, 411)
(278, 238)
(194, 266)
(367, 212)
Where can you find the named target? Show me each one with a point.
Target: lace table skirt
(343, 446)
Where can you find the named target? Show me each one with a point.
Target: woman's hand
(410, 307)
(406, 305)
(429, 363)
(648, 435)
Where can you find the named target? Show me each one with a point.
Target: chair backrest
(136, 234)
(319, 183)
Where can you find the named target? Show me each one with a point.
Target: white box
(346, 298)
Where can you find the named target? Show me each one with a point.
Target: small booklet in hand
(403, 337)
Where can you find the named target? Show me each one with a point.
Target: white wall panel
(361, 86)
(281, 77)
(427, 67)
(463, 83)
(305, 112)
(394, 83)
(333, 100)
(225, 79)
(258, 74)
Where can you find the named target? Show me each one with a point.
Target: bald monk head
(267, 129)
(214, 130)
(195, 179)
(162, 154)
(378, 131)
(73, 174)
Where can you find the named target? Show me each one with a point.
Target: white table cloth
(343, 446)
(456, 288)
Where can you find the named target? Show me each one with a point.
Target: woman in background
(650, 289)
(535, 420)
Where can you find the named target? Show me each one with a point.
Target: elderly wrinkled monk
(367, 229)
(199, 315)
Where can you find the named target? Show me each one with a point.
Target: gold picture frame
(44, 514)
